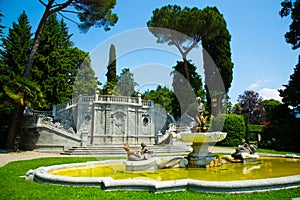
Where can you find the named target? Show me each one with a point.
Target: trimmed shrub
(235, 127)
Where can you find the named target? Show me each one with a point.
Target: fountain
(200, 170)
(201, 140)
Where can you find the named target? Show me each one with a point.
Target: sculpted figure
(199, 117)
(244, 148)
(146, 152)
(131, 154)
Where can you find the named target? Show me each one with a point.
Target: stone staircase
(113, 150)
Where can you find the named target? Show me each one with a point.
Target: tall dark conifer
(219, 51)
(16, 47)
(1, 26)
(14, 54)
(111, 71)
(56, 63)
(14, 90)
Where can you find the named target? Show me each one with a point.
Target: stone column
(84, 138)
(139, 98)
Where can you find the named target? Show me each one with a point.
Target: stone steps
(118, 149)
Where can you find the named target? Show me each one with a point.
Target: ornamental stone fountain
(201, 140)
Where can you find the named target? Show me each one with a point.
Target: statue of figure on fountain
(245, 152)
(144, 154)
(199, 117)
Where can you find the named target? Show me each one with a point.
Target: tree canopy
(291, 93)
(126, 84)
(1, 26)
(57, 62)
(186, 92)
(292, 8)
(184, 28)
(251, 107)
(162, 96)
(90, 13)
(86, 82)
(14, 53)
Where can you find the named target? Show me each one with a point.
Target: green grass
(267, 151)
(14, 186)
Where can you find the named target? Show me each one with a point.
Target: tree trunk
(36, 40)
(15, 128)
(186, 69)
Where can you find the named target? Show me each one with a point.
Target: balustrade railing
(102, 99)
(87, 98)
(66, 104)
(147, 103)
(118, 99)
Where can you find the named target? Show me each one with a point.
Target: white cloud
(267, 93)
(253, 85)
(258, 83)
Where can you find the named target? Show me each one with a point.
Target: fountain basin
(113, 177)
(200, 156)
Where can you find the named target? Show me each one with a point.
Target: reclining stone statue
(144, 154)
(245, 151)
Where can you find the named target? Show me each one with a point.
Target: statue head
(198, 100)
(126, 147)
(143, 144)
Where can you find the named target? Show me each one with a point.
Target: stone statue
(144, 154)
(131, 154)
(243, 150)
(199, 117)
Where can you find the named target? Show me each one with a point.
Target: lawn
(14, 186)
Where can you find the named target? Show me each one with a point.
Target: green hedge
(255, 127)
(235, 127)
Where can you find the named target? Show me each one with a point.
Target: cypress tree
(111, 71)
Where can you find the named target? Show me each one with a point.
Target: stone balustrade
(124, 100)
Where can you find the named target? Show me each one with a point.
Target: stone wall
(91, 120)
(45, 138)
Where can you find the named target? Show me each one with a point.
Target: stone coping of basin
(107, 183)
(206, 137)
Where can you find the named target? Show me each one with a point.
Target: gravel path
(28, 155)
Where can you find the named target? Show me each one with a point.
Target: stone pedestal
(200, 156)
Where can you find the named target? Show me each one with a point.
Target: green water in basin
(262, 168)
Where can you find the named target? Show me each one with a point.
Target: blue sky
(263, 61)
